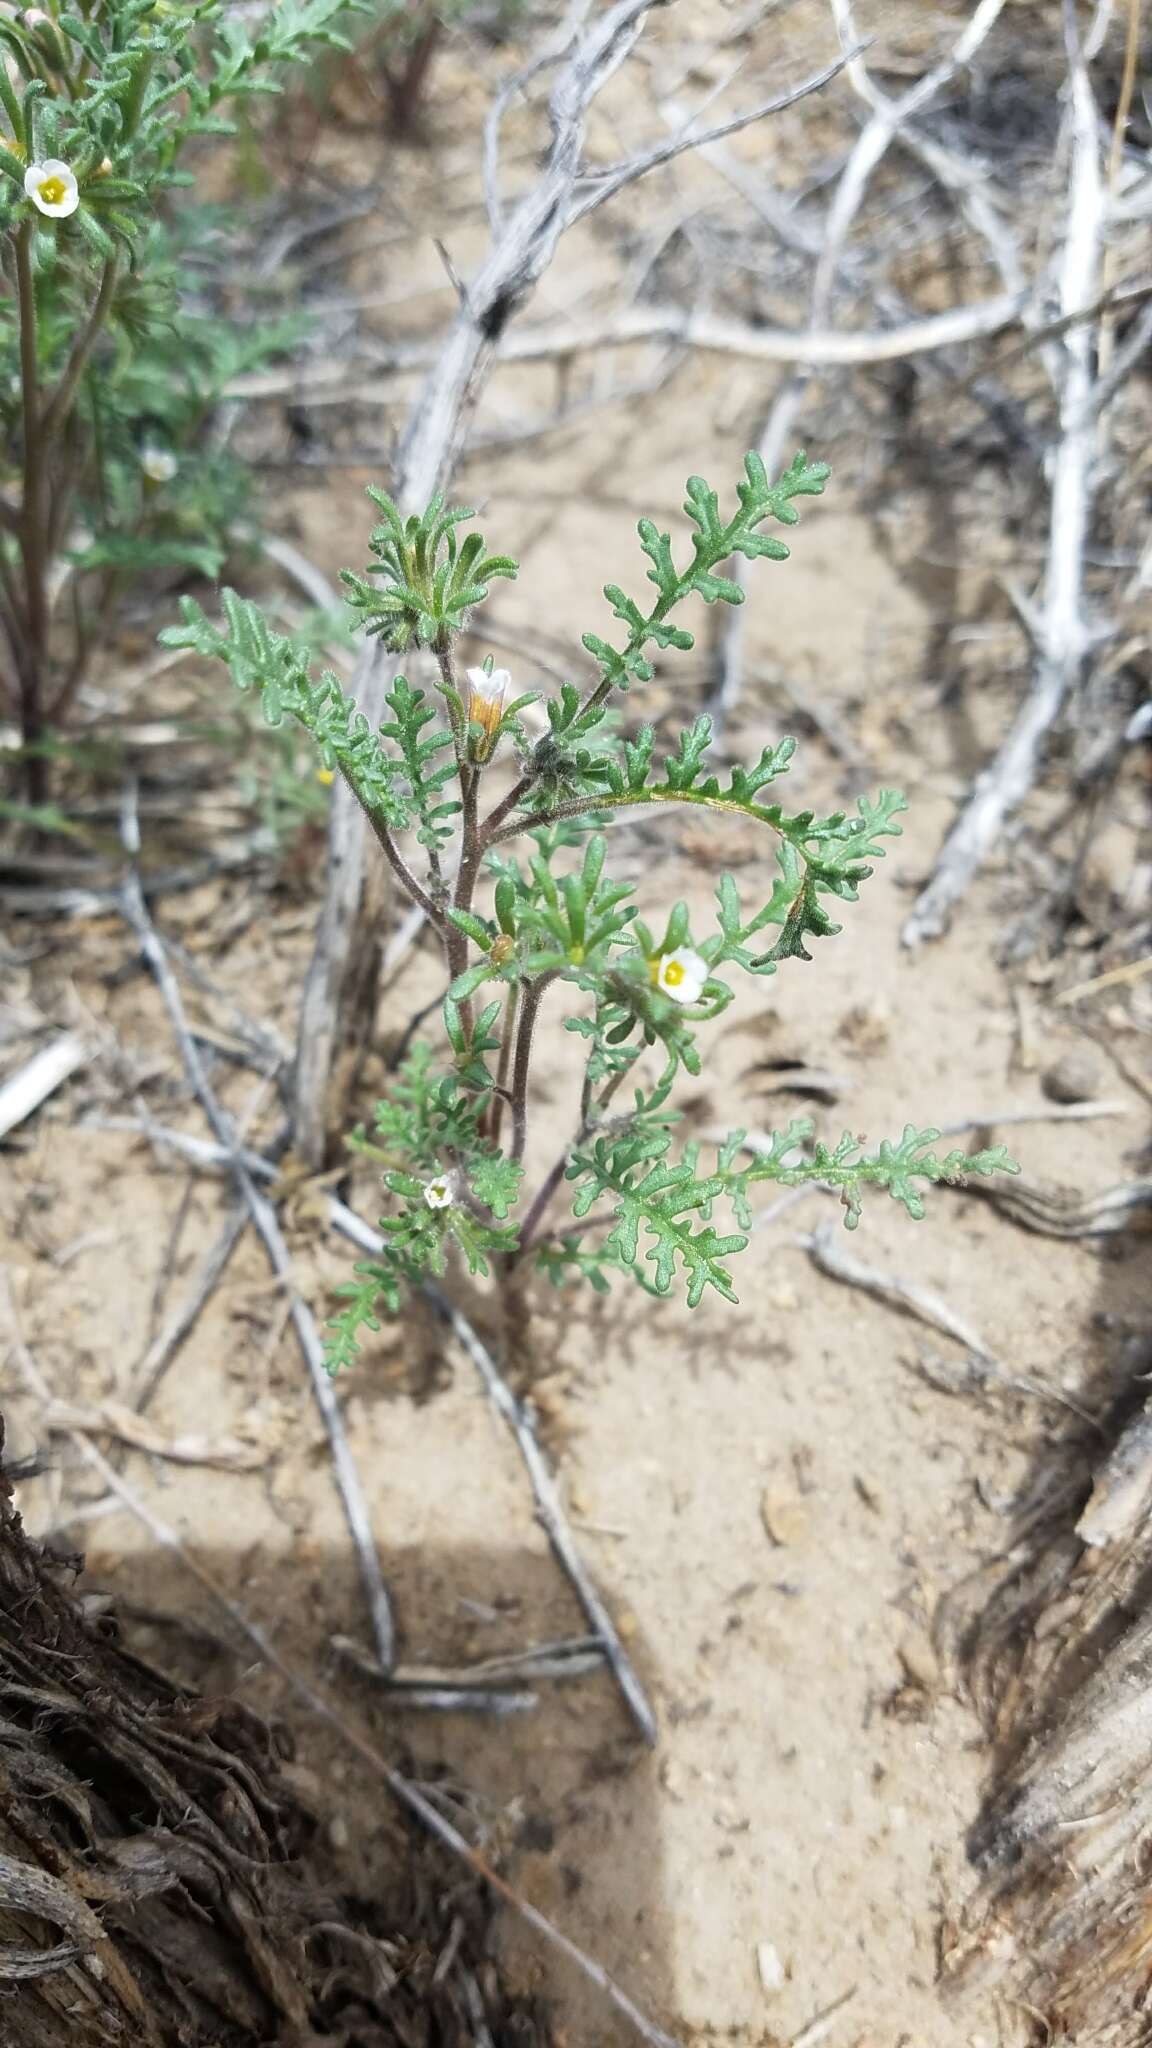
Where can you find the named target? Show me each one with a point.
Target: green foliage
(280, 669)
(111, 359)
(450, 1135)
(430, 579)
(714, 542)
(451, 1188)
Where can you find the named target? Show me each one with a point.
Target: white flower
(52, 187)
(681, 974)
(158, 464)
(486, 694)
(438, 1192)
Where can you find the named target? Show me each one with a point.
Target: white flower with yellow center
(52, 188)
(158, 464)
(680, 974)
(485, 707)
(438, 1192)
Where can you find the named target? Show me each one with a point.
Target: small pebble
(769, 1968)
(1075, 1077)
(784, 1516)
(782, 1295)
(919, 1662)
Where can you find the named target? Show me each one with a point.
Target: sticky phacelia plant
(518, 890)
(106, 374)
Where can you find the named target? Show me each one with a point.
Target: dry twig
(1063, 634)
(873, 142)
(551, 1515)
(46, 1071)
(263, 1216)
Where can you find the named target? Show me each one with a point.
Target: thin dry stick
(182, 1322)
(549, 1510)
(1115, 159)
(1048, 1113)
(827, 1251)
(1065, 636)
(263, 1216)
(682, 327)
(872, 144)
(408, 1794)
(550, 1514)
(46, 1071)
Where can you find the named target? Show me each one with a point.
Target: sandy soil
(776, 1499)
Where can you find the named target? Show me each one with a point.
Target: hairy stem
(33, 526)
(508, 1040)
(470, 849)
(533, 994)
(59, 404)
(505, 808)
(589, 1117)
(400, 868)
(540, 1204)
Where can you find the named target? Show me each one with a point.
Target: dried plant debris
(159, 1877)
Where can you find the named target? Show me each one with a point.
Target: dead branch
(872, 144)
(549, 1510)
(1065, 634)
(819, 348)
(114, 1419)
(520, 252)
(46, 1071)
(550, 1513)
(263, 1215)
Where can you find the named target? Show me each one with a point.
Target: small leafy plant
(452, 1134)
(105, 376)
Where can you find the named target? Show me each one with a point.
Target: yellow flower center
(52, 191)
(673, 973)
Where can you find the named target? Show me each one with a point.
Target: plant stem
(33, 523)
(533, 993)
(552, 1179)
(507, 1041)
(470, 850)
(504, 808)
(59, 404)
(400, 867)
(540, 1203)
(404, 91)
